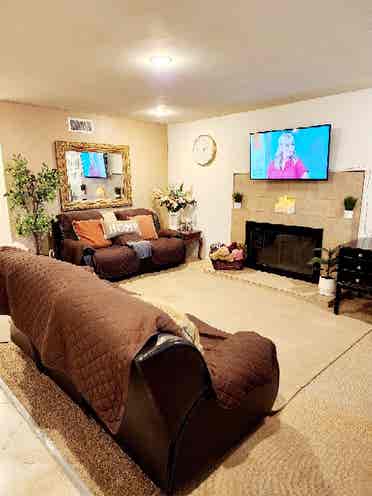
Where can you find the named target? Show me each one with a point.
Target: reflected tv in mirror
(93, 164)
(291, 154)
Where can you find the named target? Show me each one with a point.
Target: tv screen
(93, 164)
(291, 154)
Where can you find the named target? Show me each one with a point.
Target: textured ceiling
(93, 56)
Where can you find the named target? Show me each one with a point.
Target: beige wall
(351, 149)
(32, 130)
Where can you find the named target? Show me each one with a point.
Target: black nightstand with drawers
(354, 271)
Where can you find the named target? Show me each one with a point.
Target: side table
(190, 237)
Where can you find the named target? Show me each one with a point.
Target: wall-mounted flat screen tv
(291, 154)
(93, 164)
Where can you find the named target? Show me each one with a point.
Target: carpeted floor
(320, 444)
(307, 336)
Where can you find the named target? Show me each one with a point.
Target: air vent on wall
(80, 125)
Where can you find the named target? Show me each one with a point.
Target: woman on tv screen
(286, 164)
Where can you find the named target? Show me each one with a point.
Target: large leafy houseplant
(28, 196)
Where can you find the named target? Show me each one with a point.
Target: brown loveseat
(173, 408)
(119, 260)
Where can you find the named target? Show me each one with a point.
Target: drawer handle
(360, 255)
(357, 280)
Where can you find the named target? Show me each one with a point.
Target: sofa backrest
(65, 220)
(131, 212)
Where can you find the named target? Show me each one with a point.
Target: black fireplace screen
(283, 249)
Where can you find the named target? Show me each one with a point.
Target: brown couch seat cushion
(238, 363)
(116, 261)
(124, 238)
(167, 251)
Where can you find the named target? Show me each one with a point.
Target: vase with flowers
(175, 199)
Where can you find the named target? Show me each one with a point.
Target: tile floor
(27, 468)
(4, 329)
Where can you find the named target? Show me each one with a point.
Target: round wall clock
(204, 149)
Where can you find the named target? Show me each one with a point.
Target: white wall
(5, 236)
(349, 113)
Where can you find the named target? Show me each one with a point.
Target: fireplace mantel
(318, 205)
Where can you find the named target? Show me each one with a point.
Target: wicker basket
(223, 265)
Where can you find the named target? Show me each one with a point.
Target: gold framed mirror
(93, 175)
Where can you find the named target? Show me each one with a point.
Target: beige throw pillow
(189, 330)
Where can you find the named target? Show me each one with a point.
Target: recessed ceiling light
(161, 60)
(161, 111)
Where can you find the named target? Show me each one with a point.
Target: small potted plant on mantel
(327, 263)
(237, 198)
(349, 204)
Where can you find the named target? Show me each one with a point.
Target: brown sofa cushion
(167, 251)
(116, 261)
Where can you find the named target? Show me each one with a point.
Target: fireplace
(283, 249)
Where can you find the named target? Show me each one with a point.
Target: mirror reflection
(94, 175)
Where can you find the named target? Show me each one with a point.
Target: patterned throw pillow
(113, 229)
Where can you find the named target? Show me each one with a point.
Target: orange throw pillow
(146, 226)
(91, 233)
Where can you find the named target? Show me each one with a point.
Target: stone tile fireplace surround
(319, 204)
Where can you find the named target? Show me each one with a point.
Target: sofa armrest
(168, 233)
(74, 250)
(174, 365)
(167, 381)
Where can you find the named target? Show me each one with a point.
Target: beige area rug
(308, 338)
(264, 279)
(319, 445)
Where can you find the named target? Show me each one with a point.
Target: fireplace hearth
(283, 249)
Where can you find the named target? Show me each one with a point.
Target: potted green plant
(28, 196)
(237, 198)
(349, 204)
(327, 263)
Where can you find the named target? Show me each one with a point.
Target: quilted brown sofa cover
(117, 261)
(183, 409)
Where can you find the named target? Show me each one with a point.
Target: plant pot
(173, 220)
(348, 214)
(327, 287)
(237, 205)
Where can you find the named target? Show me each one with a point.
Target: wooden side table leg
(200, 247)
(337, 299)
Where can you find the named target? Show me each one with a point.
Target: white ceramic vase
(348, 214)
(327, 287)
(173, 220)
(237, 205)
